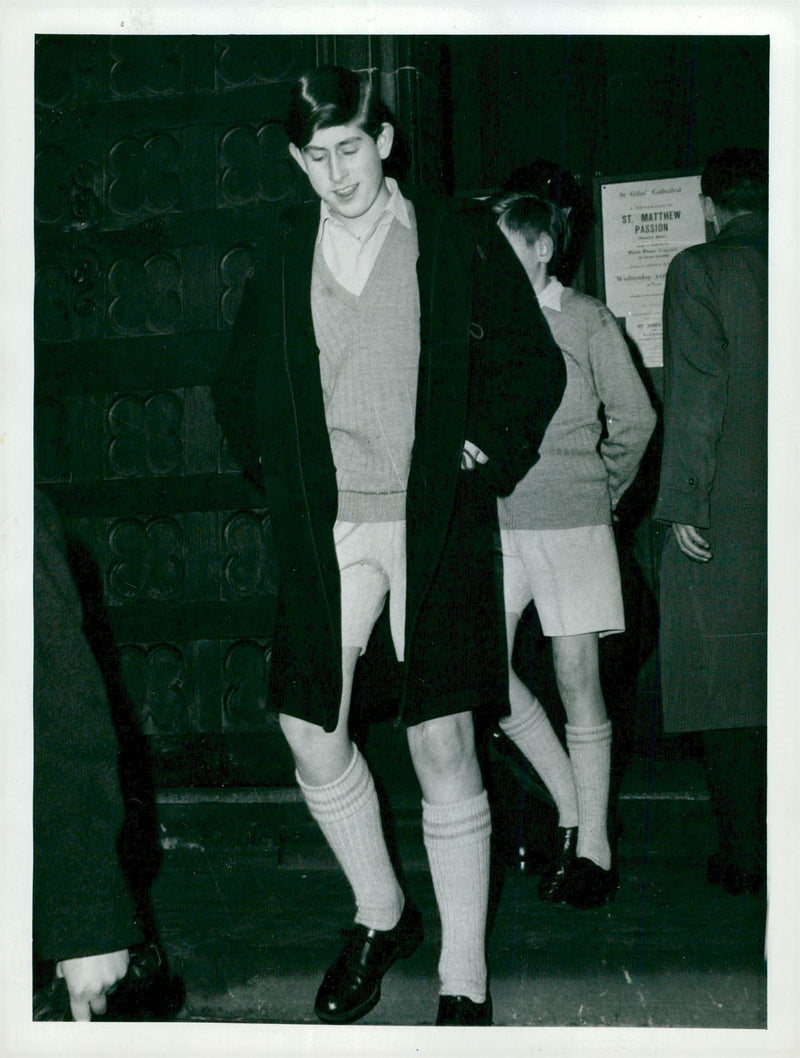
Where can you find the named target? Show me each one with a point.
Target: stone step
(656, 802)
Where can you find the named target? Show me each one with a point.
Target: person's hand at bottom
(90, 978)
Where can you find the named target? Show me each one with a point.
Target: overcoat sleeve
(517, 370)
(234, 389)
(81, 902)
(695, 392)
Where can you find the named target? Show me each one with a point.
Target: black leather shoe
(551, 885)
(352, 986)
(587, 885)
(149, 991)
(732, 879)
(459, 1010)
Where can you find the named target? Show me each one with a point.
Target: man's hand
(472, 455)
(691, 542)
(90, 978)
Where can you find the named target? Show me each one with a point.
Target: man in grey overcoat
(713, 491)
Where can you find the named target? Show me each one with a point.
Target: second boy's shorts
(372, 564)
(571, 576)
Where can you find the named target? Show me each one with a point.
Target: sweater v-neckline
(377, 265)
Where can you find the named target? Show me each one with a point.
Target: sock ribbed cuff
(457, 825)
(344, 796)
(585, 736)
(523, 723)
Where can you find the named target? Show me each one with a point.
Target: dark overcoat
(81, 901)
(714, 476)
(489, 373)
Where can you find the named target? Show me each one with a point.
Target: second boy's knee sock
(590, 755)
(531, 731)
(348, 814)
(457, 838)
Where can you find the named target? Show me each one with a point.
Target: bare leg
(577, 666)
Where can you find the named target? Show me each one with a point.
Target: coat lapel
(298, 259)
(426, 238)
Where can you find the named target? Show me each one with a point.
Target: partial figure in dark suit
(95, 944)
(713, 491)
(381, 372)
(83, 911)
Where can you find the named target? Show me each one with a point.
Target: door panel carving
(161, 162)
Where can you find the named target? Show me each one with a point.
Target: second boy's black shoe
(588, 885)
(352, 986)
(460, 1010)
(553, 880)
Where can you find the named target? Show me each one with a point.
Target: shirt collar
(550, 297)
(397, 207)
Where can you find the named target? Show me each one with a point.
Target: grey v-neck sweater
(369, 358)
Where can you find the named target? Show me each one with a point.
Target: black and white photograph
(398, 611)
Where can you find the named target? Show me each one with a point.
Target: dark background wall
(605, 105)
(159, 163)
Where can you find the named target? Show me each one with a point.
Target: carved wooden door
(159, 160)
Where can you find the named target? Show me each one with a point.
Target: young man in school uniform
(379, 384)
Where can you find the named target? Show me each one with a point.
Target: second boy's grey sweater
(578, 478)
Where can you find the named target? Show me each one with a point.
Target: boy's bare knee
(443, 752)
(576, 662)
(320, 756)
(444, 743)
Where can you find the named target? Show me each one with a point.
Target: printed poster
(645, 223)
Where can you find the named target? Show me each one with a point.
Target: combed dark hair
(530, 216)
(737, 178)
(332, 95)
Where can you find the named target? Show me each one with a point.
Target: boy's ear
(710, 212)
(544, 247)
(384, 140)
(298, 156)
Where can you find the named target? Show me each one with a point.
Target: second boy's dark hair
(333, 95)
(531, 216)
(737, 178)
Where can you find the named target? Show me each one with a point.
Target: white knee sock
(590, 755)
(348, 814)
(457, 838)
(530, 730)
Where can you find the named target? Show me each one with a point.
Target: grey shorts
(571, 576)
(372, 565)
